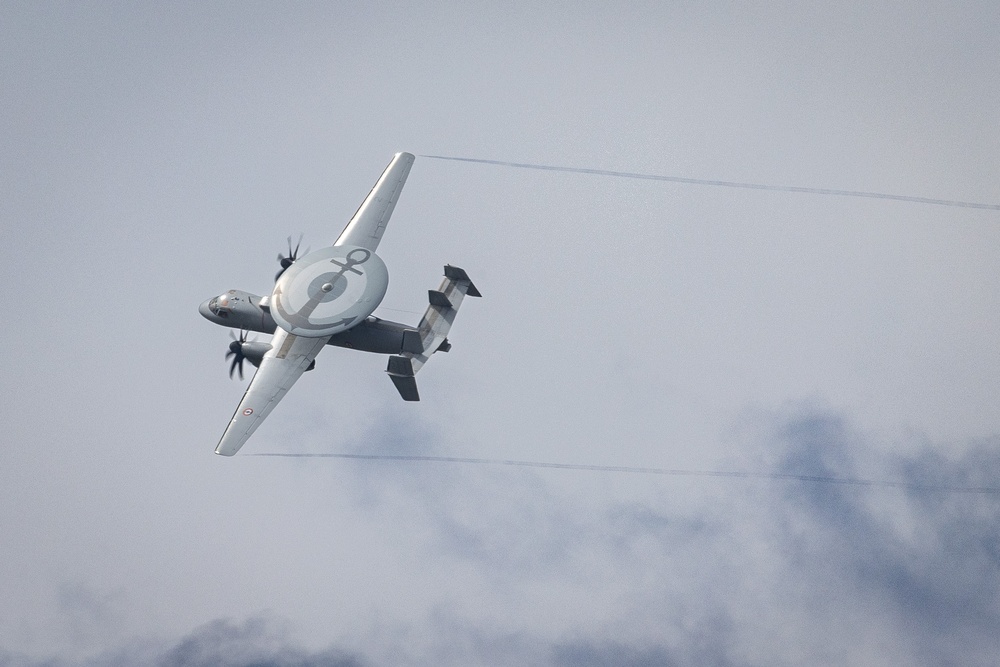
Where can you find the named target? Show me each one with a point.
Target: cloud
(925, 562)
(88, 616)
(605, 654)
(689, 571)
(257, 642)
(731, 571)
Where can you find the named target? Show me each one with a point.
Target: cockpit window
(220, 306)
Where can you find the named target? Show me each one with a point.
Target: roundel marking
(248, 412)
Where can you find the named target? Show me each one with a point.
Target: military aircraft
(327, 297)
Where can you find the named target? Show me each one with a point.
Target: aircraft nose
(205, 312)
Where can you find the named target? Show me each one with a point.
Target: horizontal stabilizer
(407, 387)
(432, 334)
(400, 371)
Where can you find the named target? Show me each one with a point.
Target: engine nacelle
(254, 352)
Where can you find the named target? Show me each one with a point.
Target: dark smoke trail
(940, 488)
(727, 184)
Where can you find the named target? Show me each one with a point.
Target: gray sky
(153, 155)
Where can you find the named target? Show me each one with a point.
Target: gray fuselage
(241, 310)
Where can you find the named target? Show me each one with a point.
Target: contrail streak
(731, 474)
(727, 184)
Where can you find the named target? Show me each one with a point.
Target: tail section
(432, 334)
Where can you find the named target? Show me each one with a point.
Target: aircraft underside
(327, 297)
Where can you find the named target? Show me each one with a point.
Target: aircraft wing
(367, 226)
(288, 358)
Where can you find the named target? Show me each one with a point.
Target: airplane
(327, 297)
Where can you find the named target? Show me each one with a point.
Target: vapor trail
(732, 474)
(727, 184)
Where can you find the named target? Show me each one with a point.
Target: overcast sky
(153, 155)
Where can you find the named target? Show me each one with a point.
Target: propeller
(292, 256)
(236, 352)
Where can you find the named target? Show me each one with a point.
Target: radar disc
(329, 291)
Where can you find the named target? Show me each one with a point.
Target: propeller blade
(237, 364)
(293, 254)
(236, 352)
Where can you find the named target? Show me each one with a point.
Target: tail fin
(432, 334)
